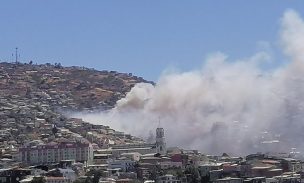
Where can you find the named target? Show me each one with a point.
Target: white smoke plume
(226, 106)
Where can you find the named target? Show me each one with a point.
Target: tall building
(160, 141)
(40, 153)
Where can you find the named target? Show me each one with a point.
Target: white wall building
(125, 165)
(167, 179)
(170, 164)
(56, 180)
(141, 150)
(135, 156)
(37, 171)
(68, 174)
(33, 153)
(229, 180)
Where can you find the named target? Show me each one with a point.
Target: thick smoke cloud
(227, 105)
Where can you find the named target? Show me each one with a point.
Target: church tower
(160, 141)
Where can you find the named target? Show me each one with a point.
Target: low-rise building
(125, 165)
(170, 164)
(167, 179)
(229, 180)
(56, 180)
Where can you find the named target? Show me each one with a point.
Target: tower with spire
(160, 140)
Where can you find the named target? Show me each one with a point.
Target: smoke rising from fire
(227, 105)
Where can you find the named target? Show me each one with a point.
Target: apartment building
(39, 153)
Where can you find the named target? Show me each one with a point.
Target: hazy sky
(142, 37)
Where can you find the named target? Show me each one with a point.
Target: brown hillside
(73, 88)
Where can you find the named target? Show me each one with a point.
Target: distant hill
(71, 88)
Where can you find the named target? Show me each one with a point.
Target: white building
(135, 156)
(39, 153)
(56, 180)
(68, 174)
(160, 141)
(125, 165)
(167, 179)
(37, 172)
(139, 148)
(38, 122)
(229, 180)
(206, 168)
(170, 164)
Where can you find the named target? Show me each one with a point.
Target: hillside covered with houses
(73, 88)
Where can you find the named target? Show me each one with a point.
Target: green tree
(192, 174)
(96, 174)
(38, 180)
(96, 177)
(54, 130)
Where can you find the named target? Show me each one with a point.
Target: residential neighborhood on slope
(39, 143)
(66, 156)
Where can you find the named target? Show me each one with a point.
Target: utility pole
(16, 55)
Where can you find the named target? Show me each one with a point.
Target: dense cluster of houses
(71, 157)
(39, 144)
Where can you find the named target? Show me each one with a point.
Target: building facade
(33, 154)
(124, 165)
(167, 179)
(160, 141)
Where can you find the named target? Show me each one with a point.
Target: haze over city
(151, 91)
(227, 105)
